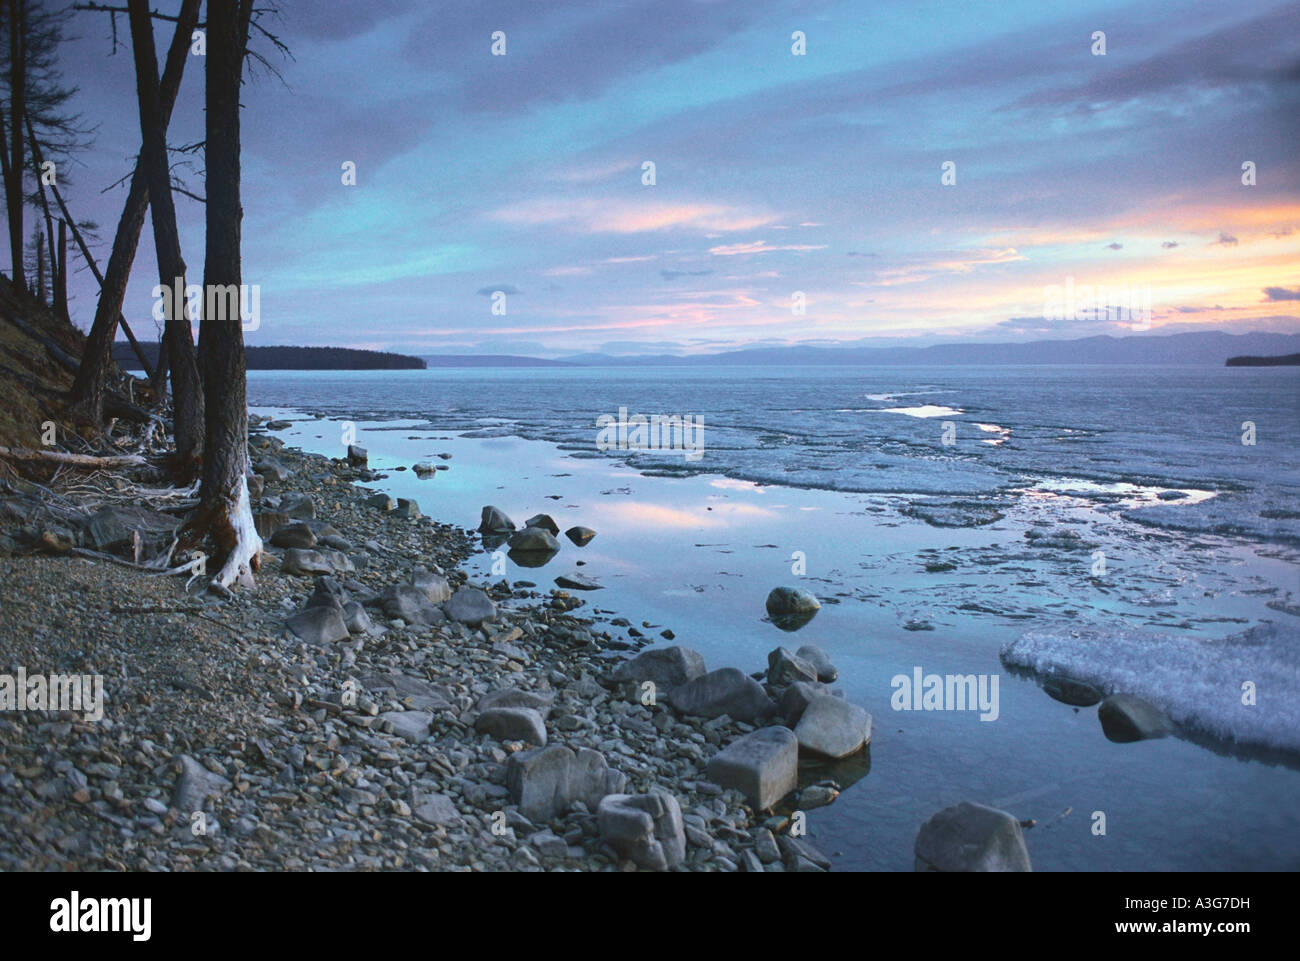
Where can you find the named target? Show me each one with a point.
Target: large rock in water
(797, 697)
(785, 668)
(727, 690)
(534, 540)
(580, 535)
(357, 456)
(763, 765)
(645, 828)
(470, 605)
(544, 521)
(667, 667)
(546, 781)
(833, 727)
(971, 837)
(495, 521)
(827, 673)
(786, 601)
(1126, 718)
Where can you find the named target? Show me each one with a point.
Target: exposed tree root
(72, 460)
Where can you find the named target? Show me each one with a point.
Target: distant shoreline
(1286, 360)
(291, 358)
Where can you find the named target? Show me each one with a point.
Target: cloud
(510, 289)
(1114, 246)
(1169, 244)
(759, 247)
(1282, 293)
(1226, 240)
(630, 217)
(674, 274)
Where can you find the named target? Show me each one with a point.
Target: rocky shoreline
(229, 742)
(367, 708)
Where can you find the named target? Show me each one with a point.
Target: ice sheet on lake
(1196, 681)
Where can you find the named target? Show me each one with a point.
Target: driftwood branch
(72, 460)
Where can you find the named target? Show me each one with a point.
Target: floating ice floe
(1243, 689)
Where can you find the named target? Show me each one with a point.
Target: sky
(502, 203)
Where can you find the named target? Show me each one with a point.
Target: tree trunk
(97, 358)
(61, 274)
(224, 507)
(187, 397)
(14, 199)
(94, 269)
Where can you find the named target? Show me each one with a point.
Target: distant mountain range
(492, 360)
(1210, 348)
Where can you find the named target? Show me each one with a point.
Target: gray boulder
(416, 693)
(785, 668)
(971, 837)
(798, 696)
(667, 667)
(298, 505)
(513, 724)
(495, 521)
(116, 528)
(513, 697)
(414, 726)
(580, 536)
(357, 456)
(434, 586)
(814, 655)
(470, 605)
(410, 604)
(1126, 718)
(546, 781)
(437, 810)
(833, 727)
(319, 625)
(1069, 691)
(727, 690)
(407, 509)
(544, 521)
(381, 502)
(194, 785)
(534, 539)
(297, 534)
(785, 601)
(577, 582)
(304, 562)
(645, 828)
(763, 765)
(356, 619)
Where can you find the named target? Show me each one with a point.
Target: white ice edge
(1198, 682)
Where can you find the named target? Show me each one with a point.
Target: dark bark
(94, 269)
(221, 338)
(61, 273)
(14, 199)
(187, 397)
(88, 390)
